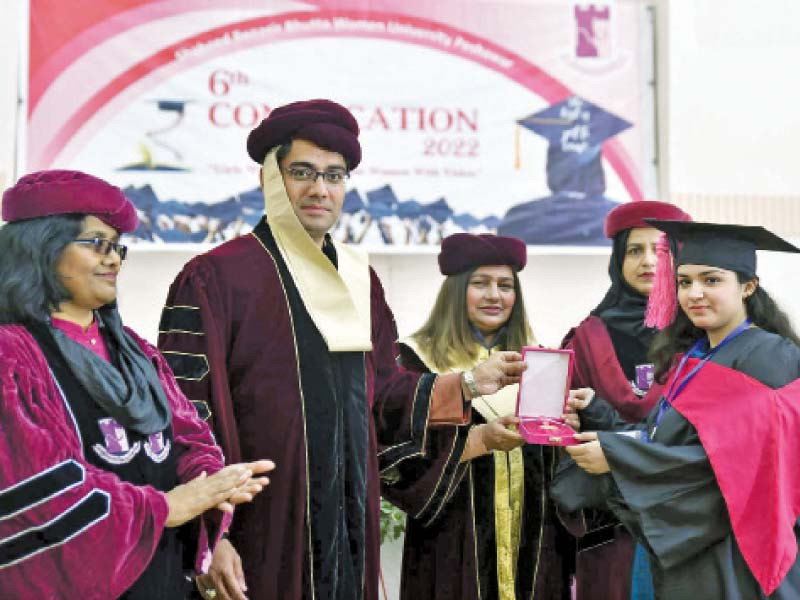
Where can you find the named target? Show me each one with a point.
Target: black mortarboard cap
(731, 247)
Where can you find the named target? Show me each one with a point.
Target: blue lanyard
(672, 391)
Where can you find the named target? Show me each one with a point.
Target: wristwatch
(469, 379)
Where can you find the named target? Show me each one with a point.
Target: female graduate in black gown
(610, 347)
(710, 486)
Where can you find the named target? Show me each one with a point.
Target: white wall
(732, 96)
(559, 289)
(9, 55)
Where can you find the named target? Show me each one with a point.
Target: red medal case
(542, 398)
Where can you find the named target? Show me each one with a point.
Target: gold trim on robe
(509, 477)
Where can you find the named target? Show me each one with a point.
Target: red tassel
(662, 305)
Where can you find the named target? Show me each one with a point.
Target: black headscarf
(622, 310)
(623, 307)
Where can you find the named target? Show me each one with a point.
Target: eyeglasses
(104, 247)
(309, 174)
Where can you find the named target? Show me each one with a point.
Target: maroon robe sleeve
(193, 331)
(67, 528)
(401, 396)
(196, 452)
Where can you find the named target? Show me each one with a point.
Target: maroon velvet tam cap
(327, 124)
(464, 251)
(633, 214)
(47, 193)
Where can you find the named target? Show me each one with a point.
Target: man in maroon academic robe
(284, 340)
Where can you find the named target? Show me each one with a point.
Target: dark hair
(681, 334)
(286, 147)
(283, 151)
(447, 334)
(29, 253)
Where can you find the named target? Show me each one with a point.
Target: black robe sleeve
(666, 495)
(423, 484)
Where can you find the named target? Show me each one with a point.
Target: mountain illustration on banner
(573, 215)
(380, 219)
(177, 109)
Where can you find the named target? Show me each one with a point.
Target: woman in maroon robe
(610, 348)
(480, 525)
(104, 464)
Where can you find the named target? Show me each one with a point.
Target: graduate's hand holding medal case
(542, 399)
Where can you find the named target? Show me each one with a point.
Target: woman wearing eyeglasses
(108, 478)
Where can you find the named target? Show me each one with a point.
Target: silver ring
(210, 593)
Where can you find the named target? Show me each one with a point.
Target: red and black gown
(714, 498)
(82, 514)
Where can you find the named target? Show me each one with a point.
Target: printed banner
(525, 119)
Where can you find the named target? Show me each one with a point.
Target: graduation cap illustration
(575, 130)
(439, 210)
(177, 106)
(409, 209)
(382, 202)
(177, 109)
(352, 202)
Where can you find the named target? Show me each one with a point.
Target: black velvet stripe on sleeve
(92, 508)
(203, 411)
(389, 457)
(181, 319)
(40, 487)
(191, 367)
(448, 481)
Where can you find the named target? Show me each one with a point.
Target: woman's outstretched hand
(501, 434)
(231, 485)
